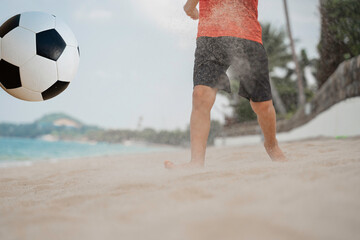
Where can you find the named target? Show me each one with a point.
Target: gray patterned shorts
(246, 59)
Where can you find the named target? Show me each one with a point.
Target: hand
(192, 12)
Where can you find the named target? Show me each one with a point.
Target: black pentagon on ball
(9, 75)
(50, 44)
(9, 25)
(54, 90)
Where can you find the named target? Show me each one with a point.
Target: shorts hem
(212, 86)
(264, 99)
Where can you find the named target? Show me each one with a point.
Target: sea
(24, 152)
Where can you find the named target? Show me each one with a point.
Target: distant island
(57, 126)
(62, 127)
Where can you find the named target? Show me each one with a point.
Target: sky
(137, 60)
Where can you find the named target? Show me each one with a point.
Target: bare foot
(275, 153)
(190, 165)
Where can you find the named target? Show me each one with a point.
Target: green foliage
(304, 62)
(287, 90)
(344, 24)
(243, 111)
(176, 138)
(340, 35)
(276, 48)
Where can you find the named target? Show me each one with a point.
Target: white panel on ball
(68, 64)
(65, 32)
(37, 21)
(18, 46)
(38, 74)
(25, 94)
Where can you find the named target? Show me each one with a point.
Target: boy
(229, 34)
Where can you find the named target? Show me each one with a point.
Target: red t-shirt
(235, 18)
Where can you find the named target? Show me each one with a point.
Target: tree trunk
(277, 99)
(301, 95)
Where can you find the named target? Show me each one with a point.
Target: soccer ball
(39, 56)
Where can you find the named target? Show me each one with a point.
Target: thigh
(211, 64)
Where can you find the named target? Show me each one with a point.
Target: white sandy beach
(240, 194)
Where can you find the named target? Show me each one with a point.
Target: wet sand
(240, 194)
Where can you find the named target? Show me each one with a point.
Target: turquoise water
(18, 150)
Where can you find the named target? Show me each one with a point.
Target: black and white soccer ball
(39, 56)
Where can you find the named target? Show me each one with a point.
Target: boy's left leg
(266, 115)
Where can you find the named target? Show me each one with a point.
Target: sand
(240, 194)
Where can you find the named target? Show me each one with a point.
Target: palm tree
(278, 56)
(304, 63)
(276, 48)
(288, 87)
(301, 95)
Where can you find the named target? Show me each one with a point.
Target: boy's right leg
(203, 100)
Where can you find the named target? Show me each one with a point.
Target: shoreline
(22, 160)
(32, 162)
(162, 149)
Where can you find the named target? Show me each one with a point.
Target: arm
(191, 10)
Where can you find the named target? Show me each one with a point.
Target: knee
(262, 107)
(203, 98)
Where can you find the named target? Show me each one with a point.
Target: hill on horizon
(58, 124)
(52, 117)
